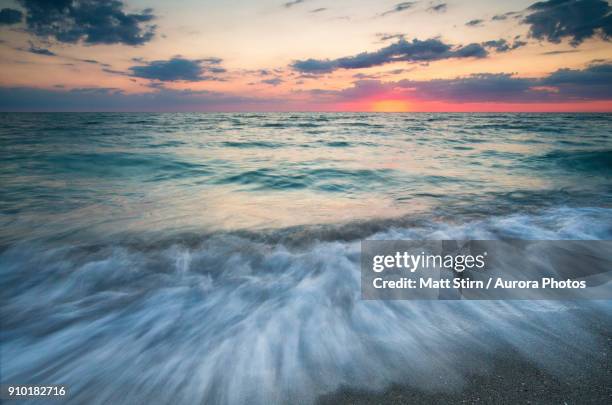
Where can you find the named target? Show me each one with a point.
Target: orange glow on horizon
(390, 106)
(397, 105)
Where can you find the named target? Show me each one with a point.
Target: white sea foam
(234, 319)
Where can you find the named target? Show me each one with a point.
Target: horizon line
(296, 112)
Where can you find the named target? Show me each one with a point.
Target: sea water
(214, 258)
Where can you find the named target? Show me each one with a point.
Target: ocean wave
(251, 144)
(598, 161)
(269, 317)
(325, 179)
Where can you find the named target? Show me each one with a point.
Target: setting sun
(390, 106)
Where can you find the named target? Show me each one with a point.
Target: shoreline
(511, 379)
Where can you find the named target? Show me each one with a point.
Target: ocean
(214, 258)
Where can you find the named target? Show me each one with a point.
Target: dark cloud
(483, 87)
(112, 99)
(290, 4)
(438, 8)
(576, 20)
(398, 8)
(501, 45)
(591, 83)
(90, 21)
(275, 81)
(212, 61)
(399, 71)
(401, 51)
(517, 44)
(559, 52)
(318, 10)
(178, 69)
(474, 23)
(40, 51)
(386, 37)
(216, 70)
(115, 72)
(564, 85)
(470, 51)
(505, 16)
(599, 75)
(314, 65)
(93, 62)
(9, 16)
(363, 76)
(97, 90)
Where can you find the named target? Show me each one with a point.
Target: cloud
(501, 45)
(483, 87)
(40, 51)
(505, 16)
(474, 23)
(401, 51)
(576, 20)
(363, 76)
(559, 52)
(293, 3)
(263, 72)
(399, 71)
(470, 51)
(595, 74)
(318, 10)
(178, 69)
(386, 37)
(438, 8)
(563, 85)
(275, 81)
(90, 21)
(9, 16)
(93, 62)
(112, 99)
(399, 7)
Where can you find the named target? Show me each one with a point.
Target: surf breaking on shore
(269, 318)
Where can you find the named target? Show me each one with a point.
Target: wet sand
(512, 379)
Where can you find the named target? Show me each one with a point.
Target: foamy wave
(237, 319)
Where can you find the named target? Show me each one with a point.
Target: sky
(305, 55)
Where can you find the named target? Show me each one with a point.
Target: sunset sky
(305, 55)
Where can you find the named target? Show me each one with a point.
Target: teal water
(216, 256)
(93, 175)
